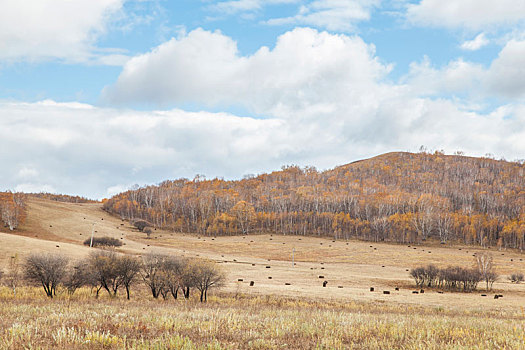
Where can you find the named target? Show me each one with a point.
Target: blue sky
(98, 96)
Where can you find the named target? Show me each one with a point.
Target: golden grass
(246, 322)
(354, 265)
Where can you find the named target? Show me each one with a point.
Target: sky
(97, 96)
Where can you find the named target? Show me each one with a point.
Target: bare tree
(128, 268)
(77, 277)
(13, 273)
(46, 269)
(208, 275)
(152, 272)
(485, 263)
(104, 272)
(173, 274)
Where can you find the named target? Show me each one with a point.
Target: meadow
(286, 308)
(238, 321)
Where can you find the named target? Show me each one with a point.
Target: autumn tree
(245, 215)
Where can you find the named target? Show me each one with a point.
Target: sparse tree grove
(399, 197)
(163, 275)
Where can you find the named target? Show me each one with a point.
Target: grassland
(290, 310)
(247, 322)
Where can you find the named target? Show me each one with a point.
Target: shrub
(103, 242)
(141, 224)
(452, 278)
(516, 277)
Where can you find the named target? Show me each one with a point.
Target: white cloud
(335, 15)
(469, 14)
(305, 71)
(35, 188)
(236, 6)
(504, 78)
(113, 147)
(475, 44)
(27, 172)
(33, 30)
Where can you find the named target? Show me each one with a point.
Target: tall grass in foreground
(226, 322)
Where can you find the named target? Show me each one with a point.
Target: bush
(103, 242)
(141, 224)
(46, 270)
(516, 277)
(452, 278)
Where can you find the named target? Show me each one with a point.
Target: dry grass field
(290, 310)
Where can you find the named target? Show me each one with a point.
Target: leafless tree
(46, 269)
(152, 273)
(485, 263)
(208, 275)
(128, 268)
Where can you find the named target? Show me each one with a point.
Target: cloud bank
(314, 98)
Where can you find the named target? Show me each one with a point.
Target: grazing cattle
(386, 292)
(421, 291)
(415, 292)
(321, 276)
(325, 283)
(252, 283)
(371, 289)
(240, 280)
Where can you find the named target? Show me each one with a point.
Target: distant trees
(12, 209)
(451, 278)
(164, 275)
(400, 197)
(103, 242)
(46, 270)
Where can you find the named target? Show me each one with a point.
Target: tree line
(163, 275)
(397, 197)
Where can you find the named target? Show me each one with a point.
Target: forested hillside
(399, 197)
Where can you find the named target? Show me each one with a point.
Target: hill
(396, 197)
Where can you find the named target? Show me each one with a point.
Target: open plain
(280, 290)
